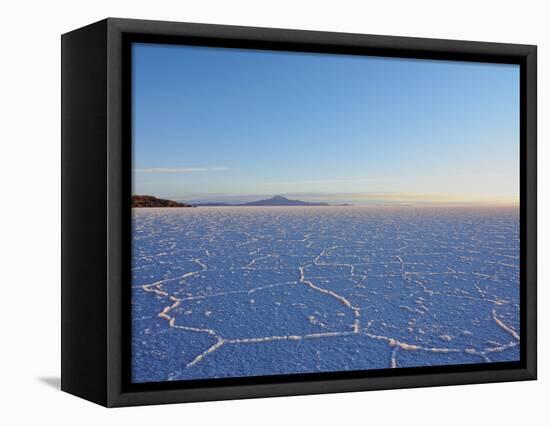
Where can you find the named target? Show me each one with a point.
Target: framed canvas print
(252, 212)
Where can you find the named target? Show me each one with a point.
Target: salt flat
(248, 291)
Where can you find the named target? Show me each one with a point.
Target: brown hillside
(150, 201)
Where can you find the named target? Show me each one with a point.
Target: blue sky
(214, 124)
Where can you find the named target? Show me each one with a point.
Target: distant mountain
(150, 201)
(279, 200)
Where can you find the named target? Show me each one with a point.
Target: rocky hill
(150, 201)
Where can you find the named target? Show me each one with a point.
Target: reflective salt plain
(249, 291)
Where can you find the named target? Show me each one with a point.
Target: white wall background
(30, 194)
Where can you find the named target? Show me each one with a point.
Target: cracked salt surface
(248, 291)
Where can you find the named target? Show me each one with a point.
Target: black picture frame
(96, 200)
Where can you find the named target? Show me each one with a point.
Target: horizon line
(355, 199)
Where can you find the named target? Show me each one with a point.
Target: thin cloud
(180, 169)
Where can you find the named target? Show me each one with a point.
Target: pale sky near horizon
(213, 124)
